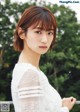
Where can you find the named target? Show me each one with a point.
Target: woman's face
(38, 40)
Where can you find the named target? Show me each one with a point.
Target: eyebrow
(42, 28)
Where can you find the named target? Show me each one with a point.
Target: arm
(64, 109)
(30, 93)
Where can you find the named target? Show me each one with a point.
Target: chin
(43, 52)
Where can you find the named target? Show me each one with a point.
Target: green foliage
(9, 13)
(64, 74)
(61, 64)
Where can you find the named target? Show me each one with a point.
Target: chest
(52, 98)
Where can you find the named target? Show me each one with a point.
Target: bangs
(44, 21)
(34, 16)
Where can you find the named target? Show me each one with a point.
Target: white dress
(32, 92)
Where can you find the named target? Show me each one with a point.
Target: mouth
(43, 47)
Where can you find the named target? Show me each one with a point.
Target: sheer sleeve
(64, 109)
(30, 92)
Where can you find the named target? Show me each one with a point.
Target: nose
(44, 38)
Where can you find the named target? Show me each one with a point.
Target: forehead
(42, 26)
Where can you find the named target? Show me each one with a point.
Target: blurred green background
(61, 65)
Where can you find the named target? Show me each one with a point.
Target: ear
(21, 33)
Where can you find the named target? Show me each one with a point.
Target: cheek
(51, 39)
(29, 38)
(31, 42)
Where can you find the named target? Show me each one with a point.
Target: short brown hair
(33, 16)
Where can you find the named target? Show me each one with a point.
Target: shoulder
(21, 68)
(24, 71)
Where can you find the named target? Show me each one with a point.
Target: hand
(68, 102)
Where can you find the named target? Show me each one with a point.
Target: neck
(30, 57)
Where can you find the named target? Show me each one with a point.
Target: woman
(31, 91)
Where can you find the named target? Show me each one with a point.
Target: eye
(50, 33)
(38, 32)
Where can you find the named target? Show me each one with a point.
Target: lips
(43, 47)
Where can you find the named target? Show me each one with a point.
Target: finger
(73, 100)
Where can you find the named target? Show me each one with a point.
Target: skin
(68, 102)
(37, 42)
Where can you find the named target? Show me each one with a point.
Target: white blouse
(32, 92)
